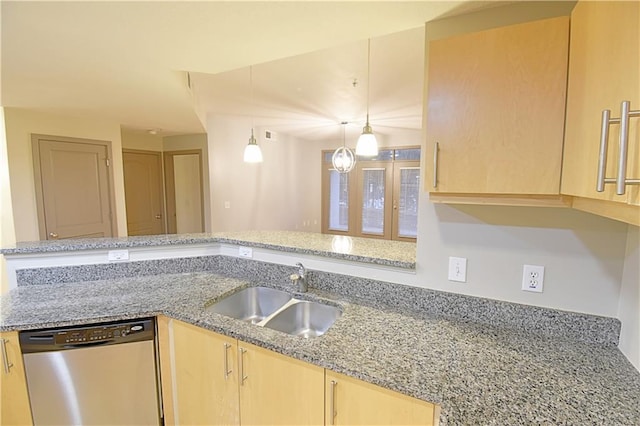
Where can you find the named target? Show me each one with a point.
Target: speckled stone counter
(478, 373)
(382, 252)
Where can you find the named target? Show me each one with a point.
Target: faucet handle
(294, 277)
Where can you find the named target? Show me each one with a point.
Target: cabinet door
(14, 406)
(199, 375)
(604, 70)
(495, 106)
(355, 402)
(278, 390)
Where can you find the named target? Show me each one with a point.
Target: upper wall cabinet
(495, 114)
(604, 71)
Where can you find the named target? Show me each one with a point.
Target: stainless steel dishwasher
(100, 374)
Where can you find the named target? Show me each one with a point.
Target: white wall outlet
(532, 278)
(458, 269)
(118, 255)
(227, 204)
(245, 252)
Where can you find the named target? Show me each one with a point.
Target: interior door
(144, 195)
(72, 182)
(185, 198)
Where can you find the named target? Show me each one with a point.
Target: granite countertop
(478, 374)
(398, 254)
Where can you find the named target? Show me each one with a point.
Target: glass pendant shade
(252, 152)
(343, 160)
(367, 145)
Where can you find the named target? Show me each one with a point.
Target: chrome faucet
(300, 278)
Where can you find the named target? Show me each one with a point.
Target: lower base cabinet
(210, 379)
(14, 398)
(354, 402)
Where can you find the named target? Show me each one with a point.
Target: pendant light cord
(251, 95)
(368, 75)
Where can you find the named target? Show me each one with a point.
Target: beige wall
(260, 196)
(142, 141)
(187, 181)
(7, 230)
(20, 124)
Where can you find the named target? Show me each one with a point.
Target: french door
(377, 199)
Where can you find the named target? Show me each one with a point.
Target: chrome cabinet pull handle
(332, 402)
(623, 147)
(436, 148)
(242, 376)
(620, 180)
(5, 359)
(227, 371)
(604, 143)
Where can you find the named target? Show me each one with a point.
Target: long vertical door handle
(5, 359)
(436, 148)
(332, 402)
(242, 376)
(602, 156)
(227, 371)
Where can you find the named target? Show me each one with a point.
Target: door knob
(158, 216)
(53, 235)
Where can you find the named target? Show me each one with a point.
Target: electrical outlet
(532, 278)
(245, 252)
(118, 255)
(458, 269)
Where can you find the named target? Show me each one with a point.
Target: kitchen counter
(369, 250)
(478, 374)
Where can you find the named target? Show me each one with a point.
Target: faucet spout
(300, 278)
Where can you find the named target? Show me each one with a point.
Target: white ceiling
(127, 61)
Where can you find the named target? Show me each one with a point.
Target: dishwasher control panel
(95, 334)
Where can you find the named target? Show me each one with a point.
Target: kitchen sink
(306, 319)
(278, 310)
(253, 304)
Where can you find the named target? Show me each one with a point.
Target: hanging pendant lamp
(367, 145)
(252, 152)
(343, 158)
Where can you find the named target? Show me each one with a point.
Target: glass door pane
(407, 202)
(338, 201)
(373, 201)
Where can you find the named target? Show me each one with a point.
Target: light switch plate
(118, 255)
(458, 269)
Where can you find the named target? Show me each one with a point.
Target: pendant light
(367, 145)
(343, 158)
(252, 152)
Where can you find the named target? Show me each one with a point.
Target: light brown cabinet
(208, 378)
(199, 375)
(604, 70)
(495, 114)
(279, 390)
(14, 398)
(354, 402)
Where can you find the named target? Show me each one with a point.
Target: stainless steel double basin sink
(278, 310)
